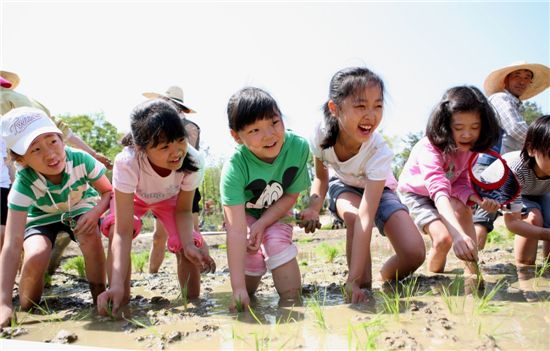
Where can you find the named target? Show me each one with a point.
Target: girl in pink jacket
(434, 183)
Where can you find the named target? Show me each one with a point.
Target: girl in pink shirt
(434, 183)
(157, 171)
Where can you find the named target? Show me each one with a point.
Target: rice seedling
(540, 270)
(451, 295)
(329, 252)
(304, 240)
(391, 301)
(184, 294)
(150, 328)
(261, 343)
(77, 264)
(254, 315)
(239, 305)
(317, 309)
(483, 304)
(409, 289)
(139, 260)
(372, 329)
(222, 246)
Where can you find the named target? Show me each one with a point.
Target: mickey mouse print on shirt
(266, 195)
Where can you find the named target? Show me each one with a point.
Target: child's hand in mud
(109, 302)
(210, 264)
(199, 258)
(309, 220)
(239, 301)
(465, 248)
(354, 294)
(255, 236)
(6, 315)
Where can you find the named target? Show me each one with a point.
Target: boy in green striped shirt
(56, 190)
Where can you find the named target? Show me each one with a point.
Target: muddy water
(434, 311)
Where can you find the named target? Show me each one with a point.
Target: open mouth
(272, 145)
(364, 128)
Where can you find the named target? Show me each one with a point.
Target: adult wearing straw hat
(506, 88)
(174, 94)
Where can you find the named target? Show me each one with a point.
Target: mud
(431, 311)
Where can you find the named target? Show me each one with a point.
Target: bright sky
(86, 57)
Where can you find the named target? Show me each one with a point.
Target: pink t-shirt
(430, 173)
(133, 173)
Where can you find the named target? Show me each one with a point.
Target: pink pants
(164, 210)
(276, 249)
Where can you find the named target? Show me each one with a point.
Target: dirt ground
(429, 311)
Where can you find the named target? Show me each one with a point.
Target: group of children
(158, 170)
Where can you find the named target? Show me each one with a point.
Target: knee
(91, 237)
(415, 255)
(443, 243)
(462, 211)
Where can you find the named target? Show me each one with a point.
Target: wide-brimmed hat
(541, 79)
(11, 77)
(173, 93)
(20, 126)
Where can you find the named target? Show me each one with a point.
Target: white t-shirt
(5, 180)
(133, 173)
(372, 162)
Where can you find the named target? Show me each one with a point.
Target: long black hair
(462, 99)
(157, 121)
(346, 82)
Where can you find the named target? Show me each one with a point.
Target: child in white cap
(56, 190)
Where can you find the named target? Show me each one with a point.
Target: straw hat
(11, 77)
(541, 79)
(173, 93)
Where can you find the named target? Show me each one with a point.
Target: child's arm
(275, 212)
(235, 222)
(184, 222)
(362, 232)
(9, 261)
(88, 221)
(516, 225)
(463, 246)
(121, 245)
(310, 216)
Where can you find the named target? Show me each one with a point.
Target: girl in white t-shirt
(362, 193)
(157, 171)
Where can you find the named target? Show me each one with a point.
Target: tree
(531, 111)
(98, 133)
(400, 158)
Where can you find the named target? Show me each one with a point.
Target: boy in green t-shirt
(259, 185)
(53, 192)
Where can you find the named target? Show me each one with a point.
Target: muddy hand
(6, 316)
(193, 254)
(239, 301)
(465, 249)
(108, 303)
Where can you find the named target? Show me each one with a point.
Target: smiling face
(359, 115)
(167, 157)
(518, 81)
(264, 138)
(465, 127)
(46, 155)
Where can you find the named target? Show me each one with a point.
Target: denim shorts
(422, 209)
(541, 203)
(389, 202)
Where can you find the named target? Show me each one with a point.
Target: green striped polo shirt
(46, 202)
